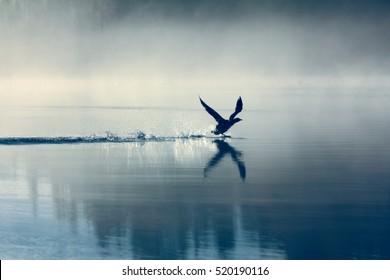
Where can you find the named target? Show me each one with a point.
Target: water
(305, 176)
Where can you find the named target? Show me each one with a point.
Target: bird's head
(216, 132)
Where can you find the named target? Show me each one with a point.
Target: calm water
(306, 176)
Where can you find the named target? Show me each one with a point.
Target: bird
(223, 124)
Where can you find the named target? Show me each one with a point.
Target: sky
(165, 53)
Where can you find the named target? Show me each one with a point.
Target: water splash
(109, 137)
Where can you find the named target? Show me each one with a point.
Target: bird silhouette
(223, 124)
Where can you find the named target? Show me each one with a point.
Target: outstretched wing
(211, 111)
(238, 109)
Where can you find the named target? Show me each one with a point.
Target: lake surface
(305, 176)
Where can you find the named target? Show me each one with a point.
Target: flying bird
(223, 124)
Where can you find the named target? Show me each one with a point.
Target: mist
(153, 53)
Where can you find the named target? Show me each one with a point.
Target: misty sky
(138, 53)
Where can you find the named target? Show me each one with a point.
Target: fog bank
(153, 53)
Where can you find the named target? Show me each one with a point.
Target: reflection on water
(223, 149)
(133, 200)
(310, 180)
(151, 201)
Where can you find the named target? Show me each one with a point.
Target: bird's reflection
(223, 149)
